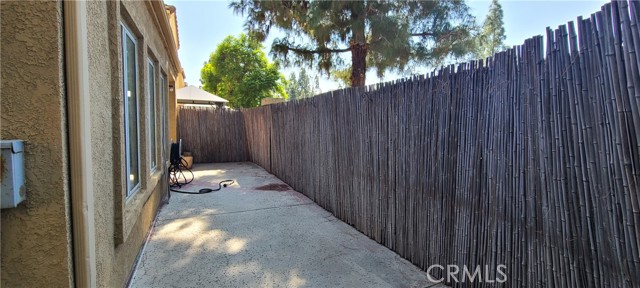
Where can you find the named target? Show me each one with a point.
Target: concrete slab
(249, 236)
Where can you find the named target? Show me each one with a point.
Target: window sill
(134, 204)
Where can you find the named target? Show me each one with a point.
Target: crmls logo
(453, 273)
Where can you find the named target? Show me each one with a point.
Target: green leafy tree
(342, 76)
(292, 87)
(304, 82)
(491, 37)
(316, 85)
(358, 35)
(300, 86)
(239, 71)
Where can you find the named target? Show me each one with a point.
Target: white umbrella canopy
(195, 95)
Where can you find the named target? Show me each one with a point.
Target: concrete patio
(260, 233)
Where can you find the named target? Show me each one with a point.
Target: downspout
(79, 121)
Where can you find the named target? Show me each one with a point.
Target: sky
(202, 25)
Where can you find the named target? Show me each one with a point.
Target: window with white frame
(151, 95)
(163, 116)
(130, 91)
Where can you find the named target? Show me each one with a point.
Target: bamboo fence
(212, 134)
(530, 159)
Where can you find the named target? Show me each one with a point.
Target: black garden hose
(178, 175)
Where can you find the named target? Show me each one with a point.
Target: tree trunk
(358, 64)
(358, 44)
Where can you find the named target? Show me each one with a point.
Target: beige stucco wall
(121, 224)
(36, 237)
(36, 241)
(102, 121)
(179, 80)
(173, 107)
(173, 116)
(173, 22)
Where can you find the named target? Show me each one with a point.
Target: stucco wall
(121, 224)
(100, 79)
(36, 241)
(173, 23)
(173, 115)
(36, 237)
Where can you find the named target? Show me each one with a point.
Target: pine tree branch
(423, 34)
(439, 36)
(316, 51)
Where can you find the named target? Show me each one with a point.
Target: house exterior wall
(173, 23)
(173, 107)
(122, 223)
(32, 75)
(179, 81)
(102, 142)
(36, 237)
(173, 116)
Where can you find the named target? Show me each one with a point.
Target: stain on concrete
(274, 187)
(299, 197)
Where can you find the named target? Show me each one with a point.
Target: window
(151, 95)
(130, 91)
(163, 115)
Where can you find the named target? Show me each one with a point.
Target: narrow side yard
(260, 233)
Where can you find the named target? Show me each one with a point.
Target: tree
(300, 86)
(491, 38)
(342, 76)
(292, 87)
(316, 85)
(239, 71)
(384, 35)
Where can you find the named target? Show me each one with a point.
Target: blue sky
(203, 25)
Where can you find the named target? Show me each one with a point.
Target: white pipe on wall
(80, 164)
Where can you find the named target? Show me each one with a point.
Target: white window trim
(126, 33)
(163, 100)
(152, 123)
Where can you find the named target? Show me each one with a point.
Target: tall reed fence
(531, 159)
(212, 134)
